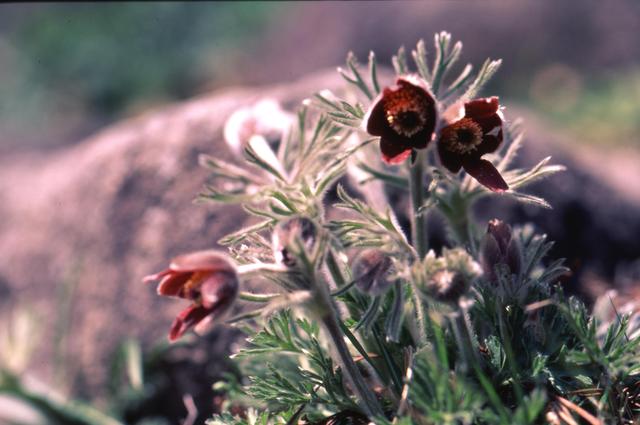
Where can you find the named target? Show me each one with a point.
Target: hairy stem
(418, 232)
(416, 186)
(459, 217)
(331, 321)
(366, 397)
(464, 340)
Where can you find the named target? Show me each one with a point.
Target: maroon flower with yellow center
(463, 143)
(404, 116)
(206, 278)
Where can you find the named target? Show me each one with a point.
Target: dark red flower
(404, 116)
(463, 143)
(207, 278)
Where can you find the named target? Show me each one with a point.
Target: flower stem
(418, 233)
(416, 186)
(464, 340)
(331, 321)
(363, 392)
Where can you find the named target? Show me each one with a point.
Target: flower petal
(489, 123)
(375, 121)
(187, 319)
(219, 291)
(490, 143)
(490, 255)
(420, 140)
(454, 112)
(450, 160)
(154, 277)
(172, 284)
(479, 108)
(484, 171)
(501, 232)
(432, 112)
(393, 152)
(201, 261)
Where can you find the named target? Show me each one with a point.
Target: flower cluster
(364, 320)
(406, 116)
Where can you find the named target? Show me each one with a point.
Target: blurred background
(68, 71)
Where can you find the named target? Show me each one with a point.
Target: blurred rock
(91, 220)
(81, 226)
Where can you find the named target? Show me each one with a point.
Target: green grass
(605, 111)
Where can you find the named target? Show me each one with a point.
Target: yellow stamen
(462, 137)
(406, 110)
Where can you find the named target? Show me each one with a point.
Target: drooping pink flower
(207, 278)
(404, 116)
(462, 143)
(264, 119)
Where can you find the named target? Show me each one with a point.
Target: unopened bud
(447, 286)
(499, 247)
(284, 237)
(371, 272)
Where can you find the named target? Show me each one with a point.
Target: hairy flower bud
(208, 279)
(371, 270)
(499, 247)
(447, 286)
(285, 235)
(448, 277)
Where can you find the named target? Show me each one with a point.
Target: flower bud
(499, 247)
(447, 286)
(285, 235)
(371, 270)
(208, 279)
(448, 277)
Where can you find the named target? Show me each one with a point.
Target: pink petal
(154, 277)
(219, 291)
(394, 153)
(186, 320)
(172, 284)
(484, 171)
(201, 261)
